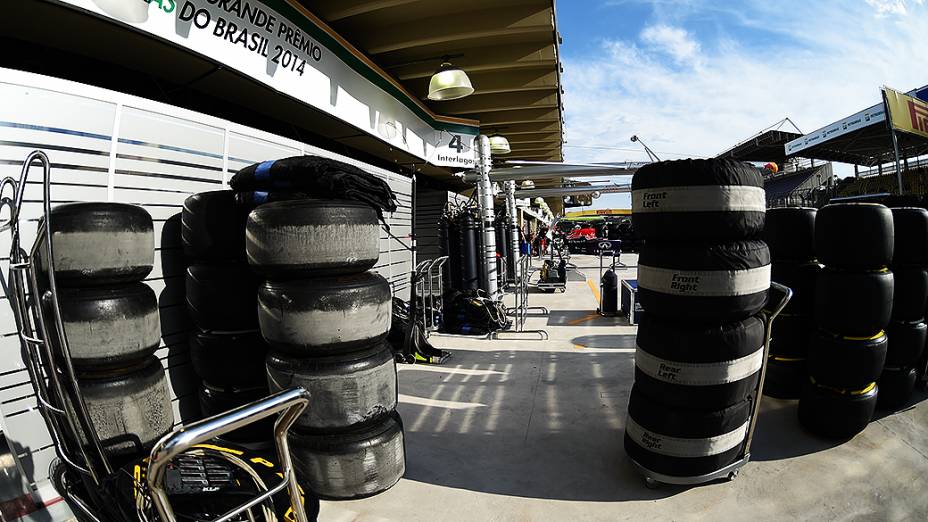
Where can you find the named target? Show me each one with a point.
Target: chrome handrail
(288, 403)
(48, 364)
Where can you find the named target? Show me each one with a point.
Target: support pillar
(487, 215)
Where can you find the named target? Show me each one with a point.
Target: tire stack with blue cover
(226, 349)
(906, 332)
(853, 305)
(326, 318)
(703, 277)
(790, 234)
(102, 253)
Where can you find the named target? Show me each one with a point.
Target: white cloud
(674, 41)
(890, 7)
(819, 63)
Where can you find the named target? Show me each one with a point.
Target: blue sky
(693, 77)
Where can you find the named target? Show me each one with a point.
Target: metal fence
(815, 197)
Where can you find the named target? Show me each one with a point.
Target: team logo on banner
(907, 114)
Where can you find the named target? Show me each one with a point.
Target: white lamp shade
(499, 145)
(449, 83)
(134, 11)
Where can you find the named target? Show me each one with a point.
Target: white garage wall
(108, 146)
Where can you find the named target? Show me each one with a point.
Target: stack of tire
(326, 318)
(102, 252)
(226, 349)
(703, 276)
(790, 234)
(853, 303)
(907, 330)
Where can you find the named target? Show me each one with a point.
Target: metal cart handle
(290, 403)
(777, 299)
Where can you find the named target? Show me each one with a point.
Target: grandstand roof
(767, 146)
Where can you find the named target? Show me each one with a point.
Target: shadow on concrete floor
(605, 341)
(536, 290)
(779, 435)
(545, 425)
(583, 318)
(919, 396)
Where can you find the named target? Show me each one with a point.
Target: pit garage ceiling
(509, 48)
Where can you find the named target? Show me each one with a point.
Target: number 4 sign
(456, 151)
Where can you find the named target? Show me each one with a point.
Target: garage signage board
(285, 47)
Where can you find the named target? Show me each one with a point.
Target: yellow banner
(907, 114)
(600, 212)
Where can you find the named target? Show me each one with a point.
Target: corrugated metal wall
(430, 204)
(106, 146)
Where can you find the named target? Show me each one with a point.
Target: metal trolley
(780, 295)
(429, 290)
(85, 469)
(519, 312)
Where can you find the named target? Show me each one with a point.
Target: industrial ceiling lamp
(133, 12)
(499, 145)
(449, 83)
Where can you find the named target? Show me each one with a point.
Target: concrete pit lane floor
(532, 430)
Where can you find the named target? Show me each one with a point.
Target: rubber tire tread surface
(833, 415)
(857, 236)
(856, 304)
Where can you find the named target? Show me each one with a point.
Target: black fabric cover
(910, 293)
(910, 226)
(906, 343)
(854, 236)
(684, 423)
(790, 234)
(846, 363)
(740, 255)
(672, 341)
(832, 414)
(322, 178)
(800, 277)
(856, 304)
(723, 225)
